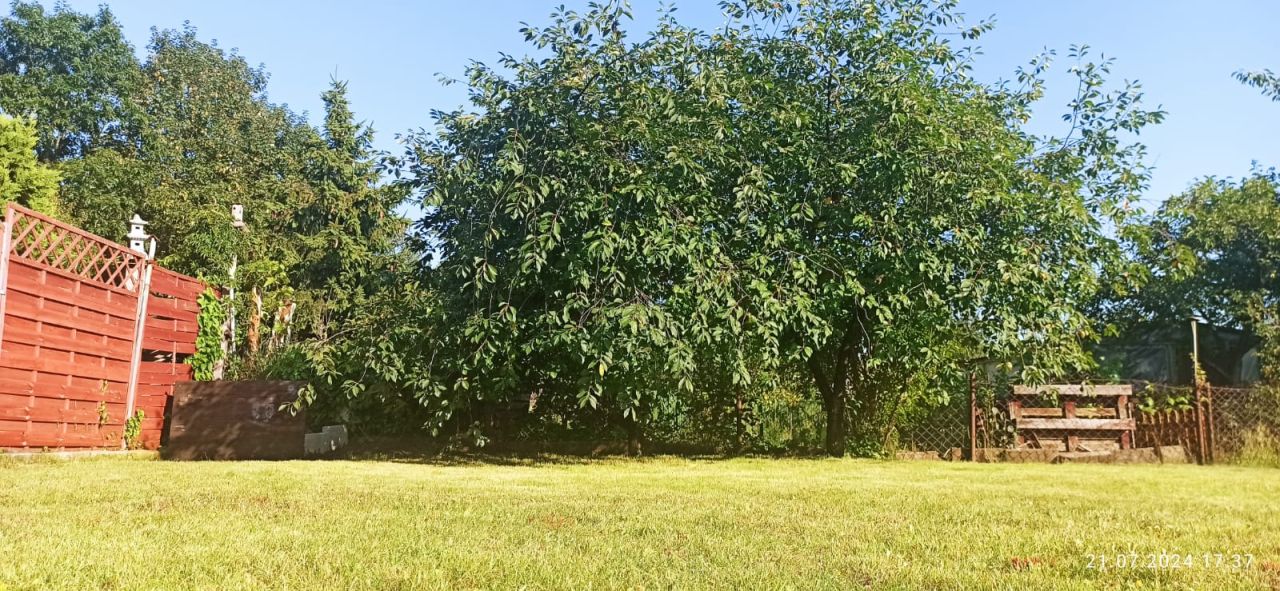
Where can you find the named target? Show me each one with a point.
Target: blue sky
(391, 51)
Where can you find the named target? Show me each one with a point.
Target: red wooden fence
(1171, 427)
(74, 362)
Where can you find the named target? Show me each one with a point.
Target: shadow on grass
(410, 450)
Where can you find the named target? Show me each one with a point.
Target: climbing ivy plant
(133, 430)
(208, 336)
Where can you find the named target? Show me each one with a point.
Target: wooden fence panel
(1170, 427)
(169, 336)
(69, 337)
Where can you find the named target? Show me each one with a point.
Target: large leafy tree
(179, 138)
(73, 73)
(818, 187)
(23, 179)
(1214, 252)
(212, 140)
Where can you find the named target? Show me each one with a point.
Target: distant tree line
(180, 136)
(793, 231)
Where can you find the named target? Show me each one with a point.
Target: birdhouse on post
(138, 235)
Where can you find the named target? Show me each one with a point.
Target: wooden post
(1208, 390)
(1198, 385)
(973, 414)
(1201, 438)
(1015, 413)
(1122, 411)
(1069, 411)
(139, 329)
(6, 245)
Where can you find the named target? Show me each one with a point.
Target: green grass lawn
(653, 524)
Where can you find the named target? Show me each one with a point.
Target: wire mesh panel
(1214, 425)
(1244, 424)
(937, 429)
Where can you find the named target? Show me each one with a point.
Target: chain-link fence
(1214, 425)
(935, 430)
(1244, 425)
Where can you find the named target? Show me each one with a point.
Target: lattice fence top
(40, 239)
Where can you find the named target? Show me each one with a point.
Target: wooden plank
(99, 345)
(167, 334)
(109, 437)
(179, 347)
(171, 324)
(170, 273)
(153, 401)
(72, 276)
(170, 308)
(166, 303)
(1074, 390)
(27, 280)
(1086, 412)
(1041, 412)
(79, 319)
(164, 368)
(113, 370)
(26, 382)
(145, 390)
(8, 400)
(52, 414)
(165, 283)
(1076, 424)
(160, 367)
(166, 380)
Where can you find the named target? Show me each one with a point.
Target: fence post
(1208, 403)
(1201, 436)
(6, 245)
(139, 329)
(973, 415)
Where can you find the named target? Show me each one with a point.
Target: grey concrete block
(330, 439)
(338, 433)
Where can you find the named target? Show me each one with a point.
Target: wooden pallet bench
(1083, 412)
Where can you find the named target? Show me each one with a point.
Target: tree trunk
(255, 323)
(835, 405)
(634, 438)
(740, 429)
(832, 386)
